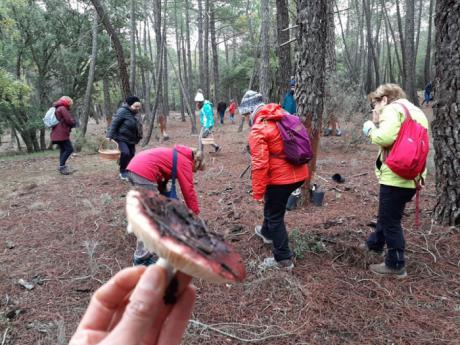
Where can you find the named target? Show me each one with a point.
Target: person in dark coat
(221, 107)
(60, 134)
(126, 130)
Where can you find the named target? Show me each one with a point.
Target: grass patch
(304, 243)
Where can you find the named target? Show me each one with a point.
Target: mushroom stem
(170, 270)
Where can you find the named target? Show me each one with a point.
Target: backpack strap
(406, 111)
(174, 172)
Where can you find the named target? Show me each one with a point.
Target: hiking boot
(258, 232)
(385, 271)
(365, 249)
(124, 176)
(146, 261)
(64, 170)
(272, 263)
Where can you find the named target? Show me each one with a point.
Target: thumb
(145, 304)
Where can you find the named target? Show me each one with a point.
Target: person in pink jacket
(152, 169)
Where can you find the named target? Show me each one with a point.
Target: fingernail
(153, 279)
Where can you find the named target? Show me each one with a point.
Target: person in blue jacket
(206, 120)
(289, 103)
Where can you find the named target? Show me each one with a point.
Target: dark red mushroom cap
(169, 229)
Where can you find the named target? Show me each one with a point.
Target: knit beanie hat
(199, 96)
(251, 100)
(131, 100)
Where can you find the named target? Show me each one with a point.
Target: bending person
(152, 169)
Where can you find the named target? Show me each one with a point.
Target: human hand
(375, 116)
(129, 310)
(367, 127)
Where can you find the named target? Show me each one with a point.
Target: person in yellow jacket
(395, 191)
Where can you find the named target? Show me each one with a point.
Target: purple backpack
(297, 147)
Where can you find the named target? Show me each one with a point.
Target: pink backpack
(408, 155)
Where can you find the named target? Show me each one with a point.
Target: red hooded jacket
(61, 131)
(267, 148)
(156, 165)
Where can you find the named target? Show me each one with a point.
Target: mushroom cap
(169, 229)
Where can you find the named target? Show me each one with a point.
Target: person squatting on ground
(273, 178)
(395, 191)
(126, 130)
(206, 117)
(60, 134)
(221, 107)
(231, 110)
(129, 310)
(153, 168)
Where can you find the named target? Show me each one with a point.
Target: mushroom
(181, 239)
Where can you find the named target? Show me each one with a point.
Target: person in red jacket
(231, 110)
(60, 134)
(273, 178)
(153, 168)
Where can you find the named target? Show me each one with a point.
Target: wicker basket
(208, 141)
(107, 153)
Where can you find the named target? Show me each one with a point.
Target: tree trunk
(264, 72)
(107, 102)
(200, 44)
(312, 21)
(446, 112)
(402, 41)
(410, 52)
(419, 23)
(132, 69)
(91, 72)
(190, 84)
(372, 60)
(215, 57)
(206, 49)
(284, 52)
(427, 69)
(125, 87)
(179, 57)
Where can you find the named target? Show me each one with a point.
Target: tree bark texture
(125, 87)
(310, 67)
(410, 52)
(107, 102)
(264, 71)
(91, 72)
(284, 52)
(446, 111)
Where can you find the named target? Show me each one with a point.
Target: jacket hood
(271, 111)
(63, 101)
(207, 102)
(184, 150)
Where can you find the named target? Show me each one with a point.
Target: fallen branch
(233, 336)
(288, 42)
(358, 175)
(4, 335)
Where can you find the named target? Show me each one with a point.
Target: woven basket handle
(108, 141)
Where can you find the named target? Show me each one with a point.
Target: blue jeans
(392, 201)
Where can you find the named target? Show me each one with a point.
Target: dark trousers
(127, 153)
(276, 197)
(66, 150)
(222, 114)
(392, 201)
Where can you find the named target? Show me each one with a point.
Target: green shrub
(304, 243)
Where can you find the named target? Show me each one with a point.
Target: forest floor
(66, 235)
